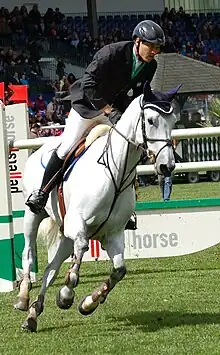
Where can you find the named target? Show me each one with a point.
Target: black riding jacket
(107, 80)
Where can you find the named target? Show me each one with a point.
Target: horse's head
(157, 120)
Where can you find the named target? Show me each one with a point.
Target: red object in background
(2, 92)
(19, 93)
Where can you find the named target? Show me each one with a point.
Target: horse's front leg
(50, 273)
(66, 294)
(114, 246)
(31, 224)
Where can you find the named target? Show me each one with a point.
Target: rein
(144, 147)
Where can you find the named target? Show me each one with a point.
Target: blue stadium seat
(125, 18)
(149, 17)
(133, 18)
(109, 18)
(141, 18)
(78, 19)
(101, 18)
(117, 18)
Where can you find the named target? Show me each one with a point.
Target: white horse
(99, 198)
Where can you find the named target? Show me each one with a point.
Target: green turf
(181, 191)
(163, 306)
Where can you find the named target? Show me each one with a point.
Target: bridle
(144, 146)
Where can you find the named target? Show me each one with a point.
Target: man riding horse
(112, 80)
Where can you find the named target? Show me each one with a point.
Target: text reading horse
(99, 197)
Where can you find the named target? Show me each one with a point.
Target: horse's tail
(49, 232)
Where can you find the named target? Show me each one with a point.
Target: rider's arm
(96, 73)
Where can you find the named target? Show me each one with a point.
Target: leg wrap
(116, 276)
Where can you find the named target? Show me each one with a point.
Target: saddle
(73, 156)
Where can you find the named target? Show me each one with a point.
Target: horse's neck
(119, 154)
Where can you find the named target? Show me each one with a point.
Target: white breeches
(75, 127)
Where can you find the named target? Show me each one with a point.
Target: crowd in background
(195, 35)
(31, 34)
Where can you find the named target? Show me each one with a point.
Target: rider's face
(147, 51)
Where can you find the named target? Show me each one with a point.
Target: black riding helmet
(149, 31)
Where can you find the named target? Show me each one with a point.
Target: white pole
(195, 132)
(176, 134)
(182, 167)
(30, 143)
(7, 264)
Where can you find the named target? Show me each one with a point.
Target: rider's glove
(114, 116)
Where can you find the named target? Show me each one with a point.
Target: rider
(112, 80)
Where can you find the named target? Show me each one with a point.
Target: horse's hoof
(103, 299)
(30, 325)
(64, 303)
(83, 310)
(22, 304)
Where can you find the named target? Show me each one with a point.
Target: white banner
(164, 233)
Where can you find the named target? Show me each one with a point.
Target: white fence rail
(183, 167)
(148, 169)
(176, 133)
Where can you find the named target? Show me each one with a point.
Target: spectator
(60, 68)
(35, 130)
(211, 58)
(15, 79)
(165, 183)
(40, 104)
(71, 78)
(58, 16)
(34, 15)
(51, 109)
(22, 58)
(62, 83)
(23, 80)
(9, 57)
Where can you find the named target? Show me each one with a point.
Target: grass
(163, 306)
(181, 191)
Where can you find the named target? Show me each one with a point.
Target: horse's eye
(150, 121)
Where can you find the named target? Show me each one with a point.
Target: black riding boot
(38, 199)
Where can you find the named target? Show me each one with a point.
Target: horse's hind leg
(114, 246)
(31, 224)
(50, 273)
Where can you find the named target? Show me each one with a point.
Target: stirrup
(37, 201)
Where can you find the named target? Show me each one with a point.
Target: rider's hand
(107, 109)
(114, 116)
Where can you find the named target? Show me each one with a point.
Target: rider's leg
(75, 128)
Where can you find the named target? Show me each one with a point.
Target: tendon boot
(38, 199)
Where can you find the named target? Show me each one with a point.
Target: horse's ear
(147, 92)
(172, 93)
